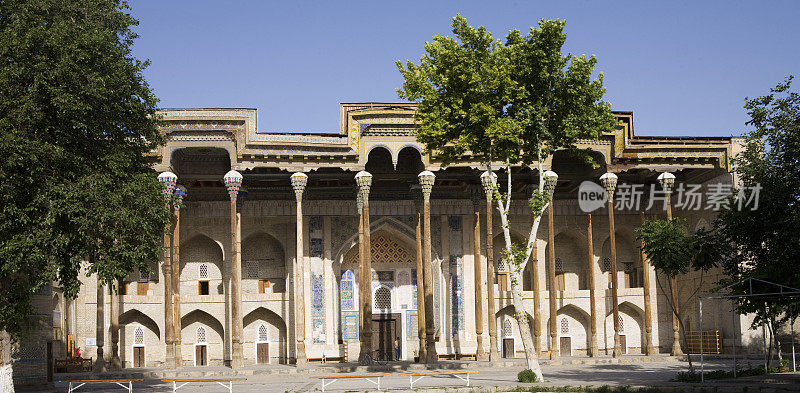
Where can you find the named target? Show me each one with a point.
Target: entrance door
(138, 356)
(383, 334)
(623, 344)
(508, 348)
(565, 346)
(200, 354)
(262, 352)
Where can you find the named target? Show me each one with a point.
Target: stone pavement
(632, 371)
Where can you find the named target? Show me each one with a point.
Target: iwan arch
(282, 237)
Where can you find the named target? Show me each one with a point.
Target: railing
(712, 341)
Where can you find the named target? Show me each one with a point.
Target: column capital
(488, 180)
(364, 182)
(233, 181)
(426, 180)
(299, 181)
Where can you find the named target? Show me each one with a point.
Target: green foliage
(538, 202)
(724, 374)
(77, 120)
(519, 100)
(527, 376)
(673, 251)
(767, 239)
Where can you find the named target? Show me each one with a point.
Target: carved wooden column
(116, 364)
(480, 353)
(426, 180)
(488, 180)
(648, 307)
(168, 181)
(551, 275)
(299, 181)
(364, 181)
(233, 181)
(180, 194)
(592, 291)
(609, 181)
(667, 180)
(420, 281)
(100, 363)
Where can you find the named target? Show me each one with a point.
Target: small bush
(527, 376)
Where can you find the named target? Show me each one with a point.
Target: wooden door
(200, 355)
(383, 333)
(623, 344)
(565, 346)
(141, 288)
(262, 353)
(508, 348)
(138, 356)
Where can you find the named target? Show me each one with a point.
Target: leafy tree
(673, 251)
(514, 103)
(767, 239)
(77, 121)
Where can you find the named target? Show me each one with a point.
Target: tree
(673, 251)
(515, 102)
(764, 222)
(77, 123)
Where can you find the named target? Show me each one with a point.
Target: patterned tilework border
(412, 324)
(350, 325)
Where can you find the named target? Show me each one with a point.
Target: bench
(472, 356)
(80, 382)
(373, 378)
(447, 356)
(72, 365)
(457, 374)
(186, 381)
(326, 359)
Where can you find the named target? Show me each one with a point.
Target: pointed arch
(199, 318)
(137, 317)
(263, 325)
(196, 251)
(263, 260)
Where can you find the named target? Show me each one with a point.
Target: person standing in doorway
(396, 348)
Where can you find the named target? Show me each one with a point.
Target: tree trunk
(6, 375)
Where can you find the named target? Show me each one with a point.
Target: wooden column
(169, 332)
(367, 332)
(420, 293)
(648, 307)
(614, 276)
(116, 364)
(299, 181)
(676, 338)
(363, 281)
(480, 353)
(364, 181)
(426, 180)
(592, 290)
(551, 279)
(176, 290)
(236, 289)
(489, 180)
(100, 364)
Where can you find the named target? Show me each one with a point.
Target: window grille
(606, 264)
(144, 276)
(628, 267)
(383, 298)
(559, 265)
(621, 325)
(201, 335)
(507, 328)
(262, 334)
(564, 326)
(138, 336)
(203, 271)
(252, 269)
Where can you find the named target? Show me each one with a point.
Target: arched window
(203, 271)
(507, 328)
(138, 336)
(621, 325)
(564, 326)
(606, 264)
(559, 265)
(252, 268)
(263, 334)
(383, 298)
(201, 335)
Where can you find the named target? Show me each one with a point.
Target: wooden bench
(326, 359)
(186, 381)
(447, 356)
(72, 365)
(74, 384)
(373, 378)
(457, 374)
(472, 356)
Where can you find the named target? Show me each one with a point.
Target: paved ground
(280, 379)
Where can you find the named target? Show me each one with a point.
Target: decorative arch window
(346, 290)
(263, 334)
(606, 264)
(144, 276)
(507, 333)
(202, 271)
(564, 326)
(201, 335)
(621, 325)
(251, 268)
(383, 298)
(138, 336)
(203, 287)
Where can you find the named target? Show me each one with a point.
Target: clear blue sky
(682, 67)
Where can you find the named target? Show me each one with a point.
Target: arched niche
(201, 260)
(275, 332)
(571, 267)
(263, 264)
